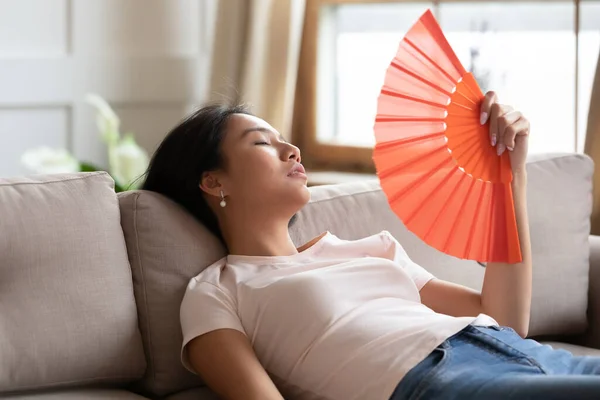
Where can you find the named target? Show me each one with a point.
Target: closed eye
(262, 143)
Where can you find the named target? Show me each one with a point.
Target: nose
(292, 153)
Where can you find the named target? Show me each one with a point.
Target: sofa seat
(573, 348)
(77, 394)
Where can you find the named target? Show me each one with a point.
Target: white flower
(107, 121)
(46, 160)
(127, 162)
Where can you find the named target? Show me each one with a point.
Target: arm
(226, 361)
(216, 347)
(506, 292)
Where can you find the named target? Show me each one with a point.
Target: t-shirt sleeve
(205, 308)
(396, 253)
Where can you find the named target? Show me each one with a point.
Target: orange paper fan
(434, 159)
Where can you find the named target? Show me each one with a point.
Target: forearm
(506, 292)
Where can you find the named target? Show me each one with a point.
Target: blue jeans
(496, 363)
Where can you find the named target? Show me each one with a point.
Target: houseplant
(126, 160)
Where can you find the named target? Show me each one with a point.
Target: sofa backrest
(167, 247)
(559, 198)
(67, 311)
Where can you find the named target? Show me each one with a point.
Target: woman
(337, 319)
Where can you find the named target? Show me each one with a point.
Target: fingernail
(483, 118)
(510, 148)
(500, 148)
(493, 140)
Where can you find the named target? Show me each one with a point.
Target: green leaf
(89, 167)
(118, 188)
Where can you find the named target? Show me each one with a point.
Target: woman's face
(262, 173)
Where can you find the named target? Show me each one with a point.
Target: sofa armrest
(593, 332)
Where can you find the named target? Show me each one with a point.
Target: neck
(252, 236)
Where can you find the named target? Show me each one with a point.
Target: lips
(296, 170)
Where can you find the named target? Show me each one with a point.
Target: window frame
(325, 156)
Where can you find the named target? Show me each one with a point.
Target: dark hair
(190, 149)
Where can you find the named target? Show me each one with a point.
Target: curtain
(592, 147)
(255, 56)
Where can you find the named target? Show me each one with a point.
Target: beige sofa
(90, 282)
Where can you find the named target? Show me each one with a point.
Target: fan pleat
(435, 190)
(438, 232)
(472, 231)
(457, 218)
(407, 119)
(431, 61)
(422, 179)
(429, 22)
(461, 150)
(400, 142)
(420, 79)
(419, 159)
(389, 92)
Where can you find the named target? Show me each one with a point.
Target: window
(589, 45)
(526, 53)
(539, 56)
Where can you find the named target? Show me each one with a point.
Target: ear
(209, 183)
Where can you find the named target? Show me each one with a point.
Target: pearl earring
(222, 203)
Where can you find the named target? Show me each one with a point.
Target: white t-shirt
(341, 320)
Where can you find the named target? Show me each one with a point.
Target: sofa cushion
(559, 207)
(167, 247)
(67, 311)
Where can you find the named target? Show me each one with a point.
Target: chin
(300, 206)
(305, 194)
(295, 198)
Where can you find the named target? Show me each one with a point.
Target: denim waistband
(480, 356)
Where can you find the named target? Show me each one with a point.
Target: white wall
(149, 58)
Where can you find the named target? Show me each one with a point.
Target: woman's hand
(509, 130)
